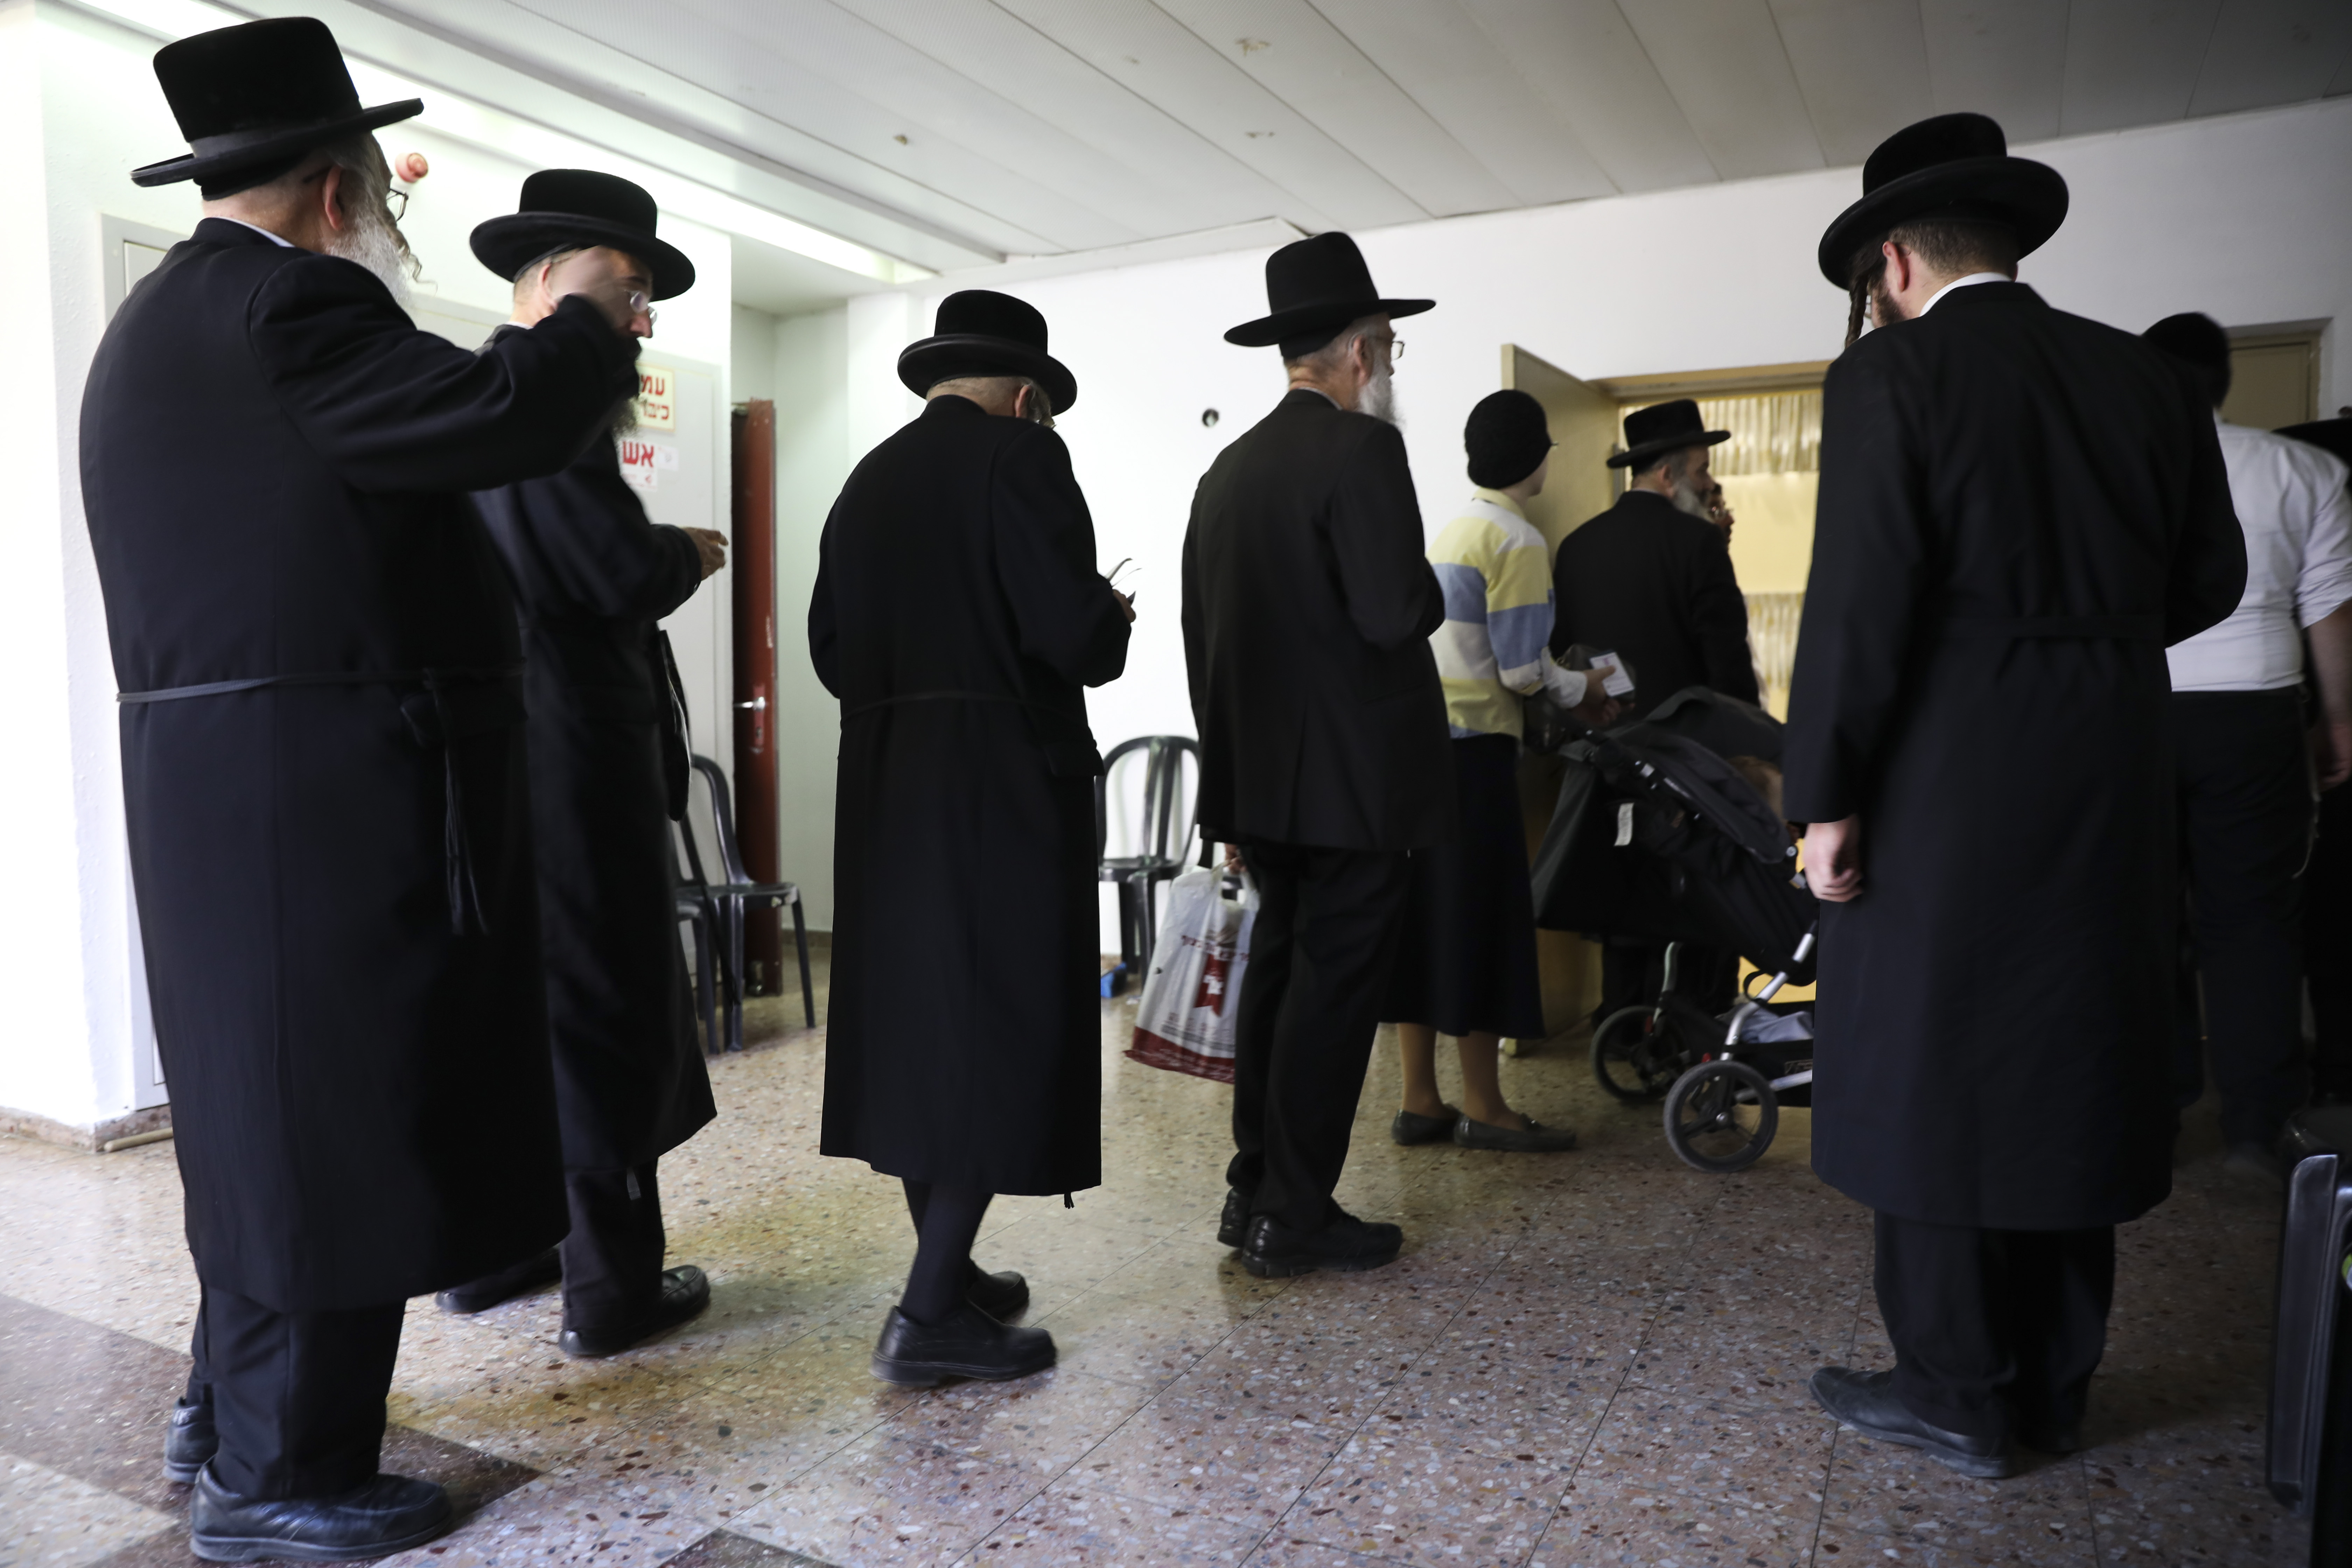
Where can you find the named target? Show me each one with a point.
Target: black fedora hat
(981, 332)
(1954, 167)
(1661, 427)
(256, 94)
(1314, 287)
(561, 208)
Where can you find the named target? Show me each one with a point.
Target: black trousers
(1994, 1329)
(612, 1255)
(1325, 928)
(2241, 773)
(2328, 943)
(297, 1397)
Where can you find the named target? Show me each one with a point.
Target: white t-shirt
(2292, 503)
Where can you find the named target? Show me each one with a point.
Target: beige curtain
(1771, 432)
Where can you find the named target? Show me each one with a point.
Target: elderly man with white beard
(323, 779)
(1325, 754)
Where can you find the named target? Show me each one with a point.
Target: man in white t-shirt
(2245, 768)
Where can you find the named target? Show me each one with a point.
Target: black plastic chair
(728, 901)
(2309, 1460)
(698, 913)
(1166, 830)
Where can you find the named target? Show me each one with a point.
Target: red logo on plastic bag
(1211, 992)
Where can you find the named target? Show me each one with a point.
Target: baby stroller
(1656, 837)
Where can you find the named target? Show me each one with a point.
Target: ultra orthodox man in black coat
(324, 778)
(592, 576)
(1325, 754)
(2020, 509)
(959, 616)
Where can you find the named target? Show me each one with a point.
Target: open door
(757, 818)
(1584, 422)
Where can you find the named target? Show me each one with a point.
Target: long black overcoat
(330, 848)
(958, 614)
(591, 576)
(2020, 509)
(1308, 603)
(1649, 580)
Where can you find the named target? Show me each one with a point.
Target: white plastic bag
(1184, 1020)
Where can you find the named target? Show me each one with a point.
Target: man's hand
(1126, 604)
(711, 545)
(2331, 751)
(1233, 862)
(1833, 859)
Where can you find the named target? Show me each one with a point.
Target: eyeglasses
(640, 305)
(1395, 347)
(396, 203)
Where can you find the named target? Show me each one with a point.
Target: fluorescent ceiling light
(461, 119)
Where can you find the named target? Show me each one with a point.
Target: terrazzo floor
(1582, 1359)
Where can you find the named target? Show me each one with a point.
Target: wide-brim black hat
(564, 209)
(1662, 428)
(1314, 287)
(260, 93)
(1955, 168)
(979, 331)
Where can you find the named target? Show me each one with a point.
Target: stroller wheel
(1720, 1117)
(1637, 1053)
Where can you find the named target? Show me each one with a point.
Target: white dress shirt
(278, 239)
(2292, 503)
(1962, 283)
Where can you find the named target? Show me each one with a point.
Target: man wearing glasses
(1325, 754)
(593, 578)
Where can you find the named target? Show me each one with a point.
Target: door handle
(757, 705)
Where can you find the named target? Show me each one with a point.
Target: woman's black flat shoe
(1408, 1128)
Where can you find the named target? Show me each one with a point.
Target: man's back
(2297, 517)
(1308, 609)
(1648, 581)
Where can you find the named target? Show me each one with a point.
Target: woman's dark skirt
(1465, 956)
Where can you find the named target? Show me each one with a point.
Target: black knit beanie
(1506, 437)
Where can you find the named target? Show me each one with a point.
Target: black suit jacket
(592, 576)
(2020, 509)
(1651, 582)
(274, 467)
(959, 616)
(1308, 604)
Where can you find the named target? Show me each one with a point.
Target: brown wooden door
(754, 551)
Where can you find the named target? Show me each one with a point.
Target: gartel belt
(460, 700)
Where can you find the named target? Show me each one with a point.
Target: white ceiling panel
(1134, 42)
(2002, 57)
(1447, 65)
(1862, 66)
(2132, 62)
(2272, 51)
(1724, 62)
(1582, 57)
(1302, 58)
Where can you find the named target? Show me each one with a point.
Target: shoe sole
(932, 1374)
(583, 1351)
(1290, 1268)
(184, 1475)
(265, 1549)
(1980, 1466)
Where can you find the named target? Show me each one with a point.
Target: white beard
(1687, 497)
(376, 245)
(1380, 400)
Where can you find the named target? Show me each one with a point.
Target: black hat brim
(1649, 450)
(508, 244)
(1301, 320)
(284, 145)
(923, 365)
(2029, 198)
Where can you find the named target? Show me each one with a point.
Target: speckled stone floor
(1582, 1359)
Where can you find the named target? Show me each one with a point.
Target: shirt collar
(272, 238)
(1319, 393)
(1962, 283)
(1496, 497)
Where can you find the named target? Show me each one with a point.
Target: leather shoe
(2055, 1438)
(684, 1293)
(533, 1273)
(968, 1343)
(388, 1514)
(1866, 1401)
(1411, 1128)
(1535, 1138)
(1346, 1245)
(1003, 1296)
(189, 1442)
(1233, 1224)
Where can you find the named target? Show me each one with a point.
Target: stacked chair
(719, 912)
(1161, 835)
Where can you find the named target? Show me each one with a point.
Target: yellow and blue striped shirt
(1497, 574)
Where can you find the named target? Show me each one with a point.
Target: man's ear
(1899, 266)
(330, 193)
(1023, 396)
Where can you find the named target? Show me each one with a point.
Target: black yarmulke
(1506, 437)
(2199, 342)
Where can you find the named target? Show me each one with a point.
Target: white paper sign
(643, 460)
(656, 397)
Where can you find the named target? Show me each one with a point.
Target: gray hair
(561, 253)
(1673, 467)
(1333, 354)
(1041, 402)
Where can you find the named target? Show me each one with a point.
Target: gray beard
(375, 244)
(1687, 497)
(1379, 399)
(622, 420)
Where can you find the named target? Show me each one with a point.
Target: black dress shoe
(2052, 1440)
(1535, 1138)
(1346, 1245)
(1233, 1223)
(389, 1514)
(685, 1292)
(1866, 1401)
(969, 1344)
(1410, 1127)
(189, 1442)
(1003, 1296)
(533, 1273)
